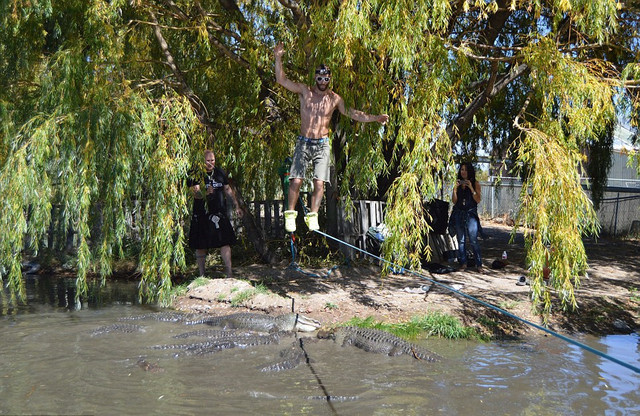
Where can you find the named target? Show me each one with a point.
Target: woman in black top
(465, 198)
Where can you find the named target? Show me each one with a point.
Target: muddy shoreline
(608, 299)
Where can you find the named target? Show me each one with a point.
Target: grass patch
(635, 295)
(200, 281)
(246, 295)
(261, 289)
(432, 324)
(182, 289)
(241, 297)
(178, 290)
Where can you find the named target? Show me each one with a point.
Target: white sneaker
(290, 220)
(311, 219)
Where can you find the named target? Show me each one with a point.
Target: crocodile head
(305, 324)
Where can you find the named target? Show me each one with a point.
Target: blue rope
(509, 314)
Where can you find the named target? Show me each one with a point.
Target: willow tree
(105, 103)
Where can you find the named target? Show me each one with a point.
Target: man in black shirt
(210, 224)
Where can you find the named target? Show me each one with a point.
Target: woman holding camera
(465, 198)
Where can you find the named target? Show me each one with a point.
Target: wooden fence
(351, 226)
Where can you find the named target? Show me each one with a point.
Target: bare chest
(317, 105)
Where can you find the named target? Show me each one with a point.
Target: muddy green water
(51, 364)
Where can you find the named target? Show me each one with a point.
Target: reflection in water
(615, 382)
(58, 357)
(60, 293)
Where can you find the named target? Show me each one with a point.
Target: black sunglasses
(325, 79)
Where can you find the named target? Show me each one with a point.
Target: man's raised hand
(279, 50)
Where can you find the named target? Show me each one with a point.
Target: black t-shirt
(465, 198)
(217, 179)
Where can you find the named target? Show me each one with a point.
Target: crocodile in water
(378, 341)
(289, 358)
(163, 317)
(261, 322)
(213, 333)
(226, 342)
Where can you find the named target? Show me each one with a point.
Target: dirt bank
(608, 300)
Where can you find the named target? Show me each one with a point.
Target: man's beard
(322, 87)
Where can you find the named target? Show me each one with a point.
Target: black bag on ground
(436, 268)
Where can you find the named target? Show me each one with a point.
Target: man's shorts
(317, 151)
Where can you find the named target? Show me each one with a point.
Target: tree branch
(516, 121)
(483, 58)
(213, 27)
(232, 7)
(300, 18)
(496, 22)
(227, 52)
(183, 88)
(175, 9)
(492, 79)
(462, 122)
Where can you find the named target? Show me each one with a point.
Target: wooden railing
(351, 227)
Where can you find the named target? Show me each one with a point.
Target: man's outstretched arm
(281, 78)
(361, 116)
